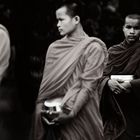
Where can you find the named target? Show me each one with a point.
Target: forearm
(82, 98)
(88, 80)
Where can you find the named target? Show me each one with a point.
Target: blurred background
(32, 27)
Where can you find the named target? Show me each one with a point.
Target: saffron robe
(72, 70)
(121, 112)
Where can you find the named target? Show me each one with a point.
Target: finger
(55, 120)
(50, 112)
(45, 111)
(120, 87)
(116, 92)
(119, 90)
(54, 113)
(116, 89)
(47, 121)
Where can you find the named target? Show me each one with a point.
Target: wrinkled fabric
(73, 69)
(120, 113)
(123, 59)
(9, 104)
(8, 89)
(4, 51)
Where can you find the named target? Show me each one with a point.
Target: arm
(91, 75)
(87, 83)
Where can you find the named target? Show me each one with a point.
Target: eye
(128, 26)
(137, 27)
(60, 19)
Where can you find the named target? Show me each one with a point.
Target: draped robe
(9, 104)
(72, 70)
(121, 113)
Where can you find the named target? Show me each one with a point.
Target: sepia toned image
(69, 70)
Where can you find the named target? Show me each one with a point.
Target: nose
(58, 24)
(132, 30)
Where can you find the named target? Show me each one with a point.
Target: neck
(78, 32)
(131, 43)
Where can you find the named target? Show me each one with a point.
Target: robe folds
(72, 71)
(121, 113)
(9, 104)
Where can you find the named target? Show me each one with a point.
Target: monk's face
(131, 29)
(66, 23)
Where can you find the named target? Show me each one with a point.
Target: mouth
(60, 30)
(131, 37)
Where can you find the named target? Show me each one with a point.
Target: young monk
(73, 68)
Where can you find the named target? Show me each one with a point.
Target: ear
(77, 19)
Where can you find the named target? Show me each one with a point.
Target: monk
(120, 103)
(73, 68)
